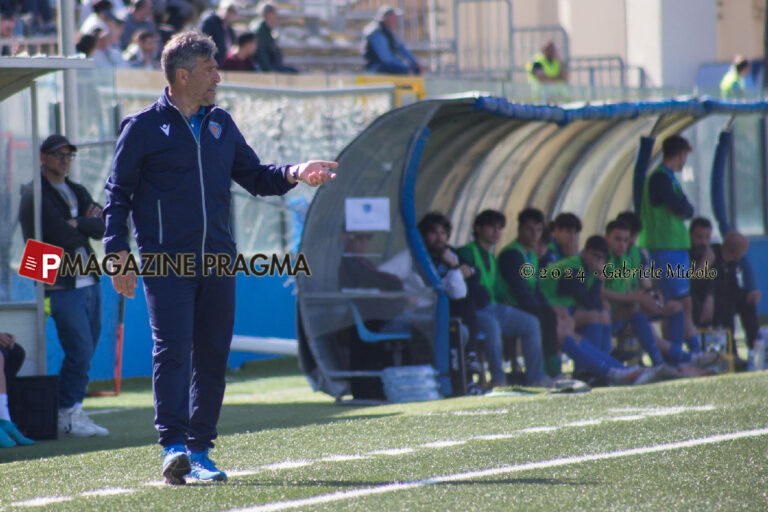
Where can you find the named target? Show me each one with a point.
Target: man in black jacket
(69, 218)
(218, 25)
(268, 54)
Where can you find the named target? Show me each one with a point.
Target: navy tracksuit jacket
(177, 190)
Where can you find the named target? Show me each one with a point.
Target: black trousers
(728, 304)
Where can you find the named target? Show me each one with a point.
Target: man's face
(230, 15)
(744, 72)
(271, 19)
(550, 51)
(6, 27)
(529, 233)
(145, 11)
(57, 162)
(593, 260)
(202, 81)
(390, 21)
(488, 234)
(567, 239)
(436, 239)
(618, 242)
(701, 238)
(249, 49)
(358, 243)
(679, 161)
(148, 46)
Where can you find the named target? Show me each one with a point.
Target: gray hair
(182, 51)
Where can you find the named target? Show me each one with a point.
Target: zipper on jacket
(200, 170)
(159, 223)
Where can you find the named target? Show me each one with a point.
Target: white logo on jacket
(166, 128)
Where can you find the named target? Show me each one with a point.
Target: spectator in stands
(664, 208)
(498, 319)
(268, 55)
(69, 218)
(218, 25)
(106, 53)
(565, 238)
(142, 53)
(102, 12)
(733, 84)
(547, 66)
(8, 29)
(138, 18)
(241, 59)
(41, 14)
(11, 359)
(734, 291)
(86, 45)
(384, 52)
(525, 292)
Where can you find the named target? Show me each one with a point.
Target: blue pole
(642, 159)
(421, 258)
(717, 187)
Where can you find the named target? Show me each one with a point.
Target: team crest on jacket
(215, 129)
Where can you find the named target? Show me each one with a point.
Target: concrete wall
(740, 29)
(595, 27)
(671, 38)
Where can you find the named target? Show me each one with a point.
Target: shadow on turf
(134, 427)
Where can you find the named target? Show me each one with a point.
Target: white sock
(4, 414)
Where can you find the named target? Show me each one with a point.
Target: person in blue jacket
(384, 52)
(173, 168)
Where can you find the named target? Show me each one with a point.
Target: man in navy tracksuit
(173, 167)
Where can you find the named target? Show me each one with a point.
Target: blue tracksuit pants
(192, 319)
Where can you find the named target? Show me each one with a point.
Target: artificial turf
(280, 441)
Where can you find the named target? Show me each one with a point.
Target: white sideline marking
(108, 411)
(565, 461)
(394, 451)
(108, 491)
(531, 430)
(584, 423)
(41, 502)
(494, 437)
(342, 458)
(628, 417)
(442, 444)
(289, 464)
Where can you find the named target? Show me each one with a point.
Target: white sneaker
(81, 421)
(69, 427)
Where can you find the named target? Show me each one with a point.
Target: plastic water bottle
(760, 345)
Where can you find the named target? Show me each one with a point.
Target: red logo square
(40, 261)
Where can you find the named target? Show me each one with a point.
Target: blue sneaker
(175, 464)
(9, 428)
(204, 469)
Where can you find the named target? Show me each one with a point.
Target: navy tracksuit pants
(192, 319)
